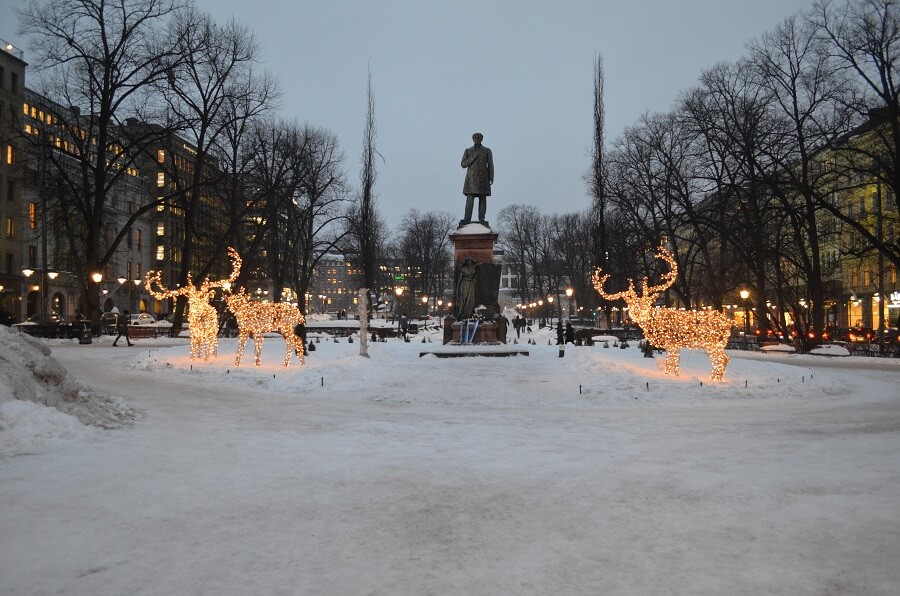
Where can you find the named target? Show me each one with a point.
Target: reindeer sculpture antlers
(646, 290)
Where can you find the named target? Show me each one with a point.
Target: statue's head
(477, 137)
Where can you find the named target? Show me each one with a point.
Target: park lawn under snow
(399, 474)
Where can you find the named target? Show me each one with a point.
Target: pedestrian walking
(122, 328)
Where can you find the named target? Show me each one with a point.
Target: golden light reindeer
(203, 319)
(669, 328)
(255, 318)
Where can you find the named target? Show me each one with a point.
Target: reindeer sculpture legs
(673, 361)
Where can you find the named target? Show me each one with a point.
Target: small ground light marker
(745, 383)
(579, 390)
(648, 385)
(323, 381)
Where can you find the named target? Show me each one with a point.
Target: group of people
(519, 324)
(565, 336)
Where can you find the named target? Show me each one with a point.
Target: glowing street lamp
(745, 295)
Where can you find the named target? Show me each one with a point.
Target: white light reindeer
(255, 318)
(669, 328)
(203, 318)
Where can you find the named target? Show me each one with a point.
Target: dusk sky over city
(519, 72)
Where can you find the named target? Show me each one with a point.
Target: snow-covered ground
(588, 474)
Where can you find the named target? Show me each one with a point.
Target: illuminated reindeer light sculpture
(669, 328)
(203, 319)
(255, 318)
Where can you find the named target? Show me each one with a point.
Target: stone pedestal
(485, 334)
(473, 240)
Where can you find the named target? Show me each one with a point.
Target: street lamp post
(744, 296)
(569, 292)
(425, 306)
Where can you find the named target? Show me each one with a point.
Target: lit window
(140, 235)
(33, 112)
(160, 252)
(10, 228)
(160, 179)
(32, 215)
(161, 155)
(10, 154)
(28, 129)
(160, 207)
(25, 107)
(160, 229)
(128, 269)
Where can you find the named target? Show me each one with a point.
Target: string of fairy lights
(254, 318)
(671, 329)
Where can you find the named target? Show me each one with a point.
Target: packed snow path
(404, 475)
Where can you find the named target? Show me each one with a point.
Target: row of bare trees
(125, 77)
(747, 177)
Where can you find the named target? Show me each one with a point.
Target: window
(10, 227)
(160, 179)
(32, 215)
(9, 262)
(14, 82)
(128, 241)
(160, 229)
(128, 270)
(10, 189)
(140, 235)
(25, 108)
(2, 76)
(138, 271)
(32, 256)
(10, 154)
(866, 275)
(160, 252)
(161, 155)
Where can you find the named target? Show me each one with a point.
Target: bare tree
(863, 37)
(596, 176)
(318, 220)
(210, 72)
(424, 247)
(808, 94)
(101, 59)
(366, 229)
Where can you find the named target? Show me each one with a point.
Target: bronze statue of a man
(479, 163)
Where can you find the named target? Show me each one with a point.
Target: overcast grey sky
(519, 71)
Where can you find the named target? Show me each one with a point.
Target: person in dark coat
(122, 328)
(559, 333)
(570, 333)
(404, 325)
(517, 323)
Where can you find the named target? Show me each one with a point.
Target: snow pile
(830, 350)
(40, 400)
(784, 348)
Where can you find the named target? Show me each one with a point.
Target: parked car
(141, 319)
(52, 319)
